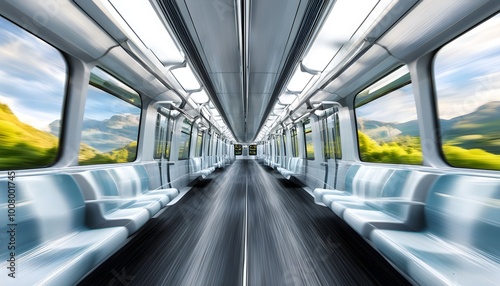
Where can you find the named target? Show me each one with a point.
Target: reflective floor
(246, 225)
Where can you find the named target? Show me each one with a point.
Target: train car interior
(249, 142)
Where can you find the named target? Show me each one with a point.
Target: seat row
(294, 168)
(438, 229)
(198, 169)
(63, 225)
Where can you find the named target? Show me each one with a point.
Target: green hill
(478, 128)
(23, 146)
(89, 155)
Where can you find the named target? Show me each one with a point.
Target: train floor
(246, 225)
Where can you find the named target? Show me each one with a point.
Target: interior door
(163, 139)
(331, 146)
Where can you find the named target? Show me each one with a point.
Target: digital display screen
(252, 150)
(238, 149)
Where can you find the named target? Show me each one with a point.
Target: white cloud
(32, 76)
(459, 98)
(397, 107)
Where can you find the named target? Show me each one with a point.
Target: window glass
(295, 142)
(467, 85)
(388, 137)
(32, 79)
(111, 121)
(330, 135)
(309, 140)
(199, 144)
(185, 140)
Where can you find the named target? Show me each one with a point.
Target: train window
(388, 137)
(185, 140)
(111, 121)
(309, 140)
(33, 79)
(330, 135)
(295, 142)
(467, 87)
(199, 144)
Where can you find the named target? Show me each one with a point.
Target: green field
(25, 147)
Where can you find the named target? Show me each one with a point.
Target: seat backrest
(466, 210)
(96, 185)
(300, 166)
(128, 181)
(349, 178)
(289, 163)
(46, 207)
(152, 173)
(195, 164)
(369, 181)
(143, 177)
(293, 163)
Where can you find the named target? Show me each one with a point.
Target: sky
(33, 78)
(397, 106)
(467, 76)
(100, 105)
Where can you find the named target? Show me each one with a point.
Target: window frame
(187, 142)
(433, 76)
(112, 92)
(21, 33)
(388, 88)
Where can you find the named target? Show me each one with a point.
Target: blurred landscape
(23, 146)
(113, 140)
(461, 136)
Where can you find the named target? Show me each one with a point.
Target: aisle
(246, 226)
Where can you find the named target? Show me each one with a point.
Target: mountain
(23, 146)
(106, 135)
(480, 128)
(89, 155)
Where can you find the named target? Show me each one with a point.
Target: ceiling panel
(211, 31)
(215, 25)
(226, 82)
(270, 25)
(262, 82)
